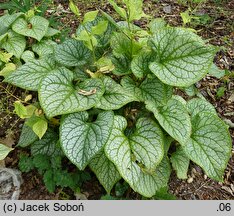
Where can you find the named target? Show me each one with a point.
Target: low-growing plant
(112, 93)
(50, 167)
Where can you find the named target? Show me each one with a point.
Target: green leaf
(216, 72)
(157, 24)
(41, 162)
(89, 40)
(100, 28)
(118, 9)
(44, 47)
(174, 119)
(115, 96)
(122, 65)
(123, 46)
(186, 16)
(72, 53)
(27, 136)
(58, 95)
(7, 20)
(20, 110)
(210, 144)
(25, 163)
(180, 163)
(140, 64)
(36, 27)
(105, 171)
(221, 91)
(8, 69)
(183, 58)
(5, 57)
(80, 74)
(4, 151)
(90, 16)
(151, 89)
(132, 156)
(84, 33)
(51, 32)
(40, 127)
(14, 43)
(49, 181)
(74, 8)
(163, 194)
(82, 140)
(28, 56)
(135, 9)
(197, 105)
(47, 145)
(29, 75)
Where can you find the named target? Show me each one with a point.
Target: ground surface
(218, 31)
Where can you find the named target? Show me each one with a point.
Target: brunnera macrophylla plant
(111, 90)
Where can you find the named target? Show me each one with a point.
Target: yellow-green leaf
(118, 9)
(74, 8)
(4, 151)
(90, 16)
(9, 67)
(100, 28)
(20, 109)
(40, 127)
(5, 57)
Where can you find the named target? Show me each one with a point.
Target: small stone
(167, 9)
(190, 180)
(205, 177)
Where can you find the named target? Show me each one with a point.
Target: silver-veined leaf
(197, 105)
(48, 145)
(182, 57)
(151, 89)
(131, 163)
(82, 140)
(14, 43)
(115, 96)
(180, 163)
(174, 119)
(27, 136)
(29, 75)
(105, 171)
(210, 144)
(36, 27)
(58, 95)
(72, 53)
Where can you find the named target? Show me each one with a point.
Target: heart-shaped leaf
(105, 171)
(47, 145)
(44, 47)
(115, 95)
(7, 20)
(197, 105)
(58, 95)
(151, 89)
(14, 43)
(182, 57)
(82, 140)
(134, 155)
(29, 75)
(72, 53)
(174, 119)
(36, 27)
(210, 144)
